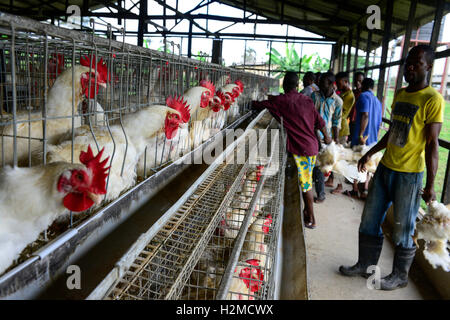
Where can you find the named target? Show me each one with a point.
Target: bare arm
(432, 131)
(382, 144)
(364, 123)
(335, 133)
(327, 138)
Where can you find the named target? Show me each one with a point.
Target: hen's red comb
(240, 85)
(179, 104)
(223, 98)
(209, 85)
(252, 273)
(267, 223)
(98, 169)
(103, 75)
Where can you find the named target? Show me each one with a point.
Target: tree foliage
(290, 61)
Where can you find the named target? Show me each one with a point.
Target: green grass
(443, 153)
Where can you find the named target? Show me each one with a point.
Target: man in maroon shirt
(300, 119)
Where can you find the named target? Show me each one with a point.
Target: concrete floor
(334, 242)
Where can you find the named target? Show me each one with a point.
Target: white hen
(59, 104)
(434, 228)
(32, 198)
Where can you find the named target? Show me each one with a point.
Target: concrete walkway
(334, 242)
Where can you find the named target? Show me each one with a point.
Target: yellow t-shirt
(348, 99)
(411, 111)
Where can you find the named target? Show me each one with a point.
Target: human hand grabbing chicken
(362, 162)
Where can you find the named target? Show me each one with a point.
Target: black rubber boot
(403, 259)
(369, 253)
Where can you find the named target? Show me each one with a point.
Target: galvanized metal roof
(333, 19)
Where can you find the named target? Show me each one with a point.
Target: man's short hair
(342, 75)
(329, 75)
(368, 83)
(290, 80)
(428, 50)
(359, 73)
(309, 76)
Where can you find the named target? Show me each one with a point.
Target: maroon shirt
(300, 118)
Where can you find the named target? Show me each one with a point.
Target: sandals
(308, 224)
(351, 193)
(319, 200)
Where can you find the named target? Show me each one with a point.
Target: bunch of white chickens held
(141, 130)
(336, 158)
(32, 198)
(59, 104)
(434, 228)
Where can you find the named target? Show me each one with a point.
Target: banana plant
(291, 61)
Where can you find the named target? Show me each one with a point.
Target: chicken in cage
(63, 96)
(255, 257)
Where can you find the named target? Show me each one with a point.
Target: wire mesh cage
(62, 91)
(189, 256)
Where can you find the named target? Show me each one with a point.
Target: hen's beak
(97, 198)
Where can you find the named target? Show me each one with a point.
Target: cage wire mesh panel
(186, 259)
(62, 90)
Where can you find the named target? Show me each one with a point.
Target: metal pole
(190, 40)
(142, 17)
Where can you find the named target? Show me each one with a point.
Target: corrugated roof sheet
(333, 19)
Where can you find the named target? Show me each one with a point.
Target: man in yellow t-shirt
(348, 98)
(411, 143)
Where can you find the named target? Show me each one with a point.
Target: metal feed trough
(32, 56)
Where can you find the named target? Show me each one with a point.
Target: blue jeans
(403, 190)
(319, 181)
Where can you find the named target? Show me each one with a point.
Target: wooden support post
(384, 50)
(443, 89)
(270, 57)
(406, 41)
(358, 32)
(437, 23)
(436, 30)
(342, 56)
(349, 52)
(334, 53)
(368, 48)
(445, 198)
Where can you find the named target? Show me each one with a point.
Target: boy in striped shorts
(300, 119)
